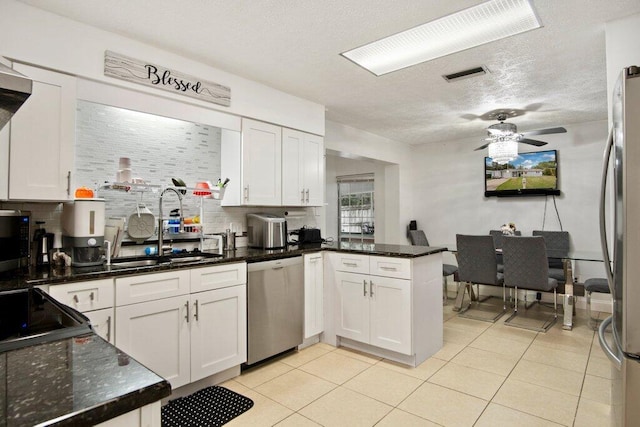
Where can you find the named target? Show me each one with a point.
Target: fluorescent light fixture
(475, 26)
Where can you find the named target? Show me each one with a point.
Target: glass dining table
(568, 260)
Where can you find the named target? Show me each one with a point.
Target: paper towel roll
(299, 213)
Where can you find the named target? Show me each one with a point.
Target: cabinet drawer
(352, 263)
(85, 296)
(399, 268)
(149, 287)
(219, 276)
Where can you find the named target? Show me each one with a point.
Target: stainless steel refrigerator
(621, 249)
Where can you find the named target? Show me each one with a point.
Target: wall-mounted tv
(529, 174)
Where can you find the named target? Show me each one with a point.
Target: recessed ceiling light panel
(475, 26)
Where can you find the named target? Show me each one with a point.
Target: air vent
(471, 72)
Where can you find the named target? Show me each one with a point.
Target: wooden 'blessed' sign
(148, 74)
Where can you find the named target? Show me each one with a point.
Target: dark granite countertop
(78, 381)
(74, 274)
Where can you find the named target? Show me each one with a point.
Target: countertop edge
(70, 275)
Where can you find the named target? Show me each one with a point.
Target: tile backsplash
(159, 148)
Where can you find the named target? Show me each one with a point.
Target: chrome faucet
(161, 247)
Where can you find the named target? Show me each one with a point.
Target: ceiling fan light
(489, 21)
(502, 151)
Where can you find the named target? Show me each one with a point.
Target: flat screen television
(529, 174)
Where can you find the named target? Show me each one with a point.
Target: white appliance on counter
(83, 231)
(623, 269)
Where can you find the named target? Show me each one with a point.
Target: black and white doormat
(209, 407)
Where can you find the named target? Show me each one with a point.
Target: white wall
(398, 206)
(449, 191)
(35, 36)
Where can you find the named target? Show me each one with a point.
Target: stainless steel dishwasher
(275, 307)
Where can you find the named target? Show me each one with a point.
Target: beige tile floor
(485, 375)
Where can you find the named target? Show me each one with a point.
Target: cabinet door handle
(364, 288)
(307, 195)
(246, 193)
(186, 304)
(68, 183)
(76, 299)
(195, 314)
(315, 258)
(388, 268)
(350, 264)
(91, 296)
(302, 196)
(109, 329)
(370, 288)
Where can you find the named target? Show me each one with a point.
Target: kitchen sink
(133, 262)
(191, 257)
(146, 261)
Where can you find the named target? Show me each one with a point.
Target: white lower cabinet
(313, 294)
(187, 337)
(218, 330)
(147, 416)
(375, 310)
(156, 333)
(387, 306)
(94, 299)
(102, 322)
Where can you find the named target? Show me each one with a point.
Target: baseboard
(214, 379)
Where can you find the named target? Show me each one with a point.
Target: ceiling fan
(505, 131)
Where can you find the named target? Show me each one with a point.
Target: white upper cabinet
(261, 163)
(272, 166)
(302, 168)
(42, 138)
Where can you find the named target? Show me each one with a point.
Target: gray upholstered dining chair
(526, 267)
(418, 238)
(498, 236)
(477, 265)
(558, 245)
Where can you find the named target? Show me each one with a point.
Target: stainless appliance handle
(603, 225)
(615, 359)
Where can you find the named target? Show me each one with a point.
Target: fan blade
(532, 142)
(545, 131)
(482, 148)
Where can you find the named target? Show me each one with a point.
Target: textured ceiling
(557, 72)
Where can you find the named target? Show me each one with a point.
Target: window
(356, 208)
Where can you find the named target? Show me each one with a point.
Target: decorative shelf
(215, 193)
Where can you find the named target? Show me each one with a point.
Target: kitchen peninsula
(402, 302)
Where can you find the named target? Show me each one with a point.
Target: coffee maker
(42, 245)
(83, 231)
